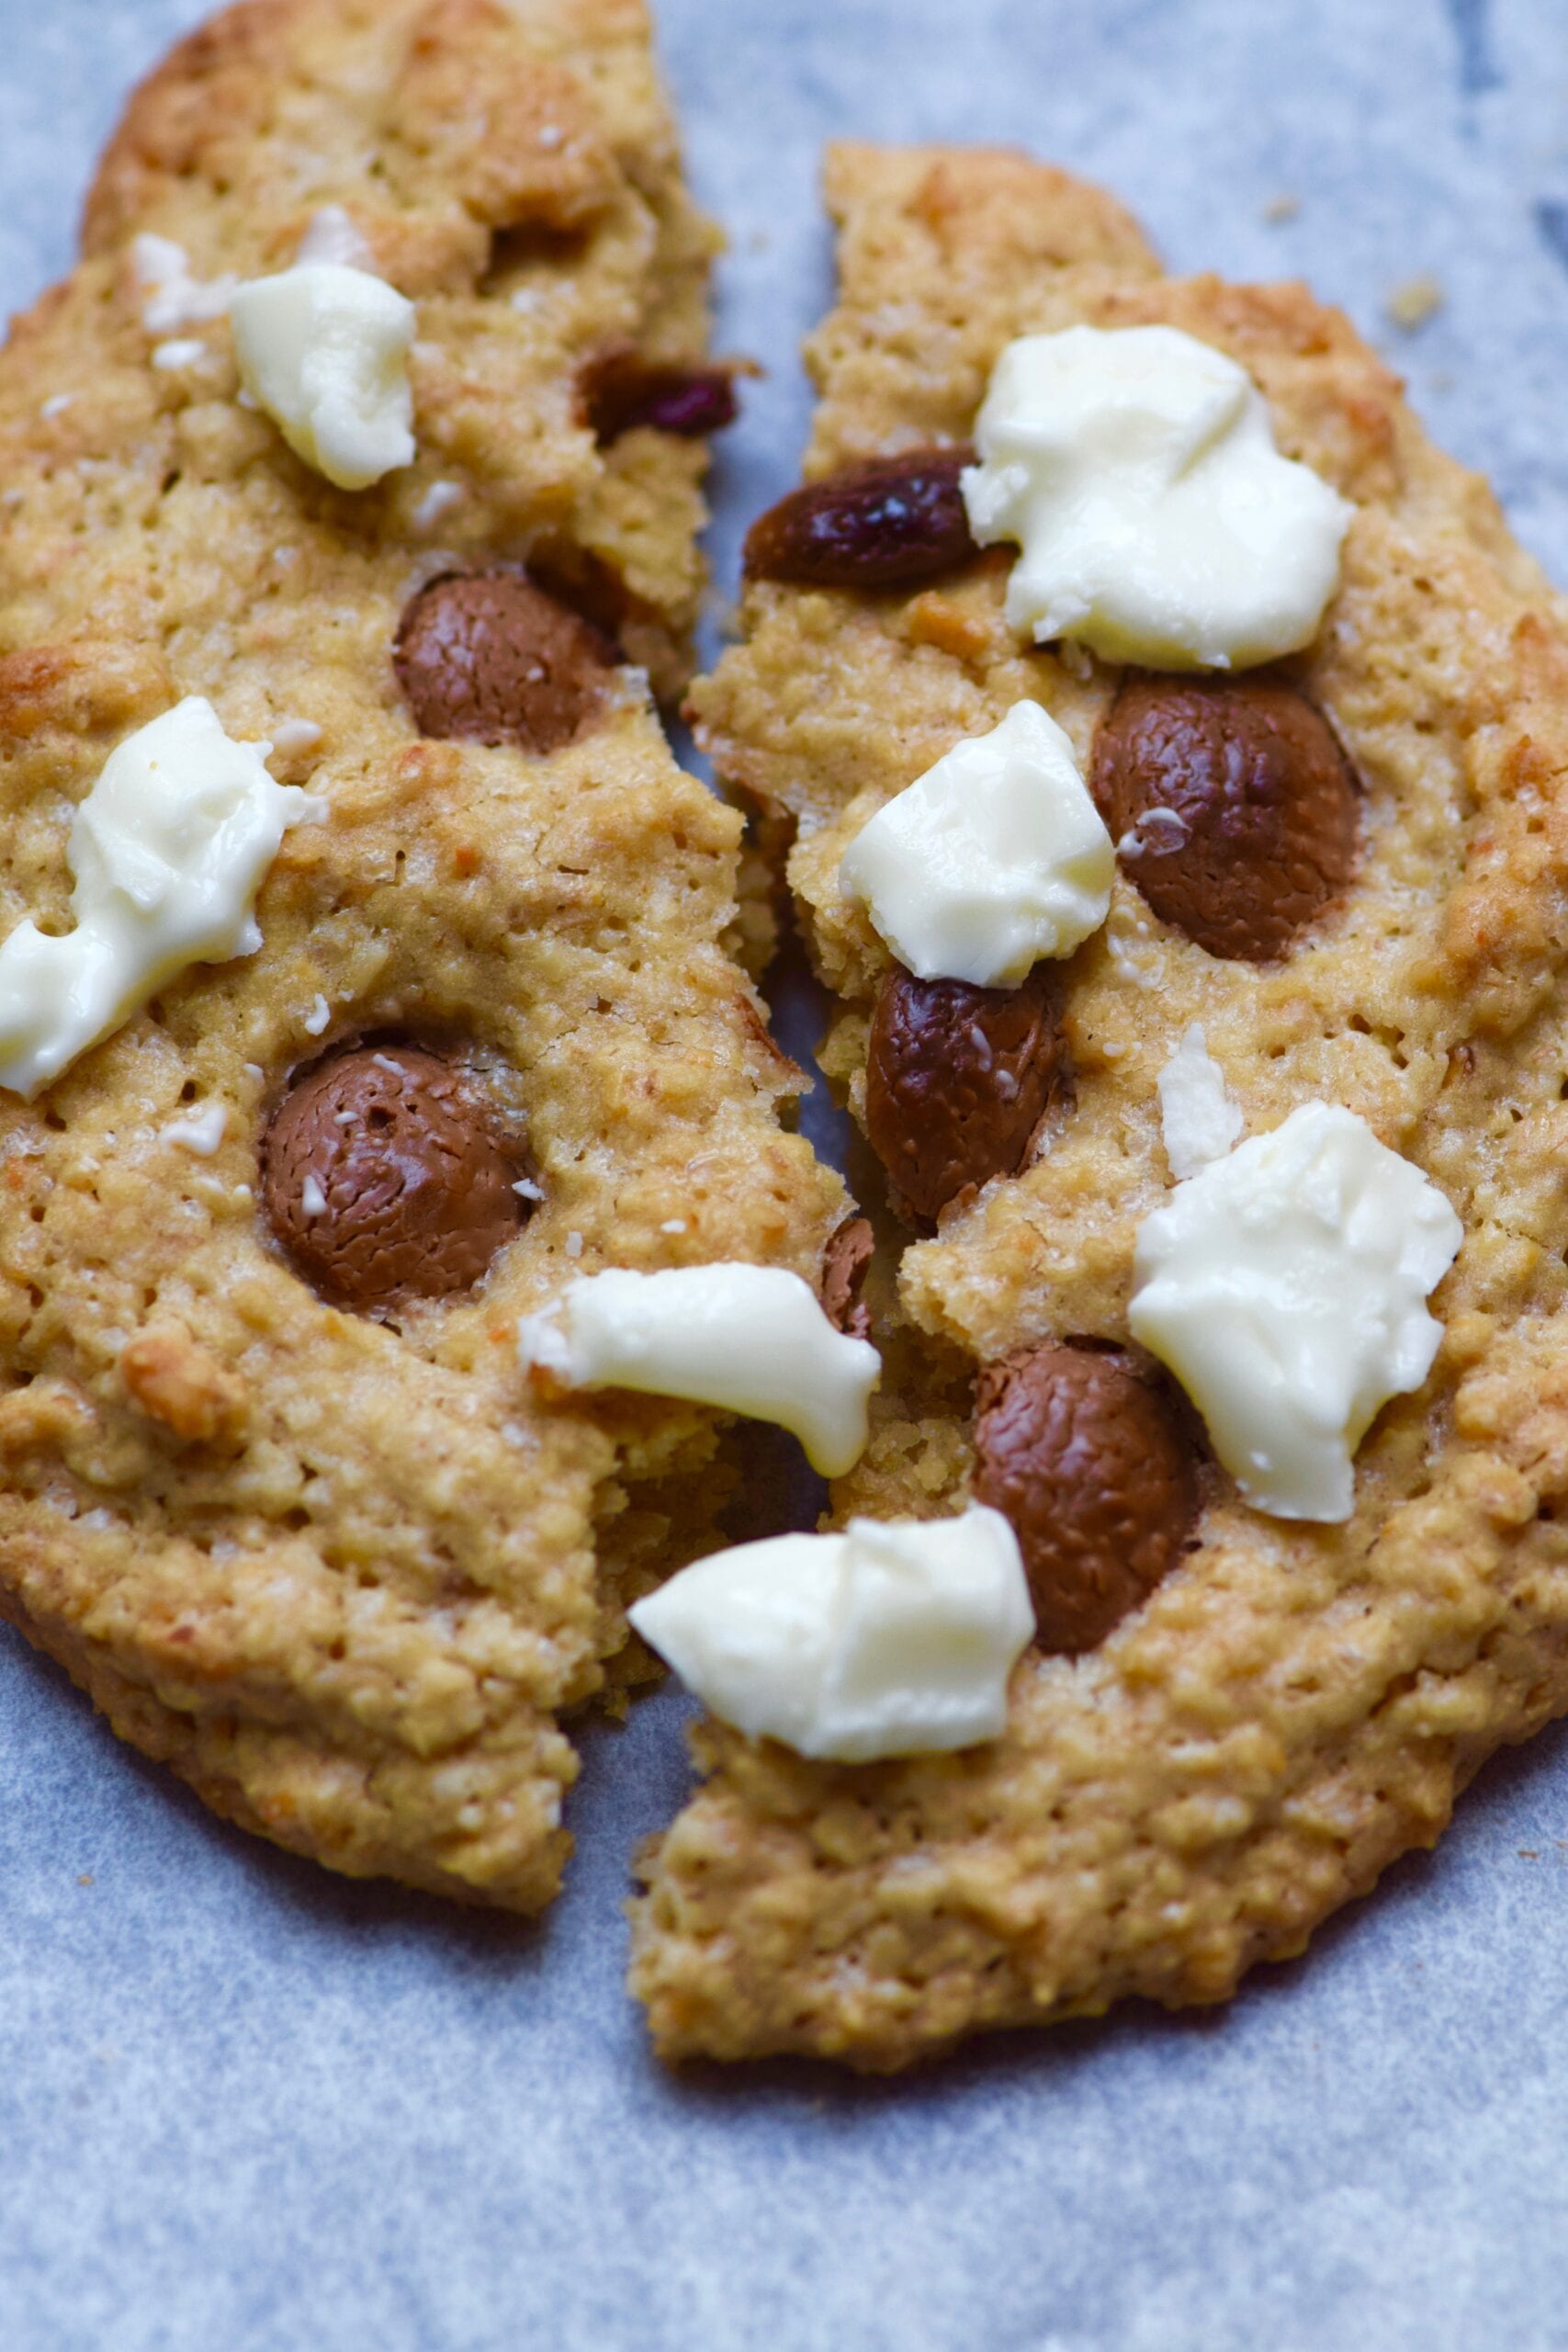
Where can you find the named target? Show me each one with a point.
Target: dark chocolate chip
(385, 1178)
(489, 657)
(957, 1081)
(882, 522)
(848, 1255)
(1233, 805)
(1092, 1464)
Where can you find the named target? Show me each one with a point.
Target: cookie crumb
(85, 1878)
(1415, 300)
(1281, 207)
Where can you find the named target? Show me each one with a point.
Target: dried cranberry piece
(621, 390)
(871, 524)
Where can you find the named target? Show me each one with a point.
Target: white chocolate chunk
(168, 851)
(323, 349)
(1136, 468)
(1285, 1286)
(750, 1339)
(891, 1639)
(993, 858)
(176, 298)
(201, 1133)
(1199, 1118)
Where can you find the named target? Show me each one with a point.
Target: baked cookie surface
(289, 1512)
(1293, 1705)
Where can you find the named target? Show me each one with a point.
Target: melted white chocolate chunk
(323, 349)
(168, 851)
(891, 1639)
(750, 1340)
(993, 858)
(1136, 468)
(1285, 1286)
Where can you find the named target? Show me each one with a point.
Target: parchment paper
(247, 2108)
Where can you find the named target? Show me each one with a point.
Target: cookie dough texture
(513, 171)
(338, 1571)
(1292, 1706)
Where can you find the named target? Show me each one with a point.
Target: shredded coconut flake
(574, 1245)
(312, 1199)
(57, 404)
(184, 351)
(316, 1020)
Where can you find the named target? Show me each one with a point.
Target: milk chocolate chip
(623, 390)
(1089, 1462)
(384, 1180)
(957, 1081)
(848, 1255)
(1233, 807)
(883, 521)
(489, 657)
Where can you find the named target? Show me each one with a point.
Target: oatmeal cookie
(274, 1487)
(1234, 1721)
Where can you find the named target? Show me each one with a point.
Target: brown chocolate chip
(489, 657)
(883, 521)
(957, 1081)
(1089, 1462)
(385, 1179)
(1233, 805)
(622, 389)
(848, 1255)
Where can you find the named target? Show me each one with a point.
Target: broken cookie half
(363, 985)
(1173, 746)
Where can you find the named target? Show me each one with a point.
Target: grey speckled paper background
(244, 2108)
